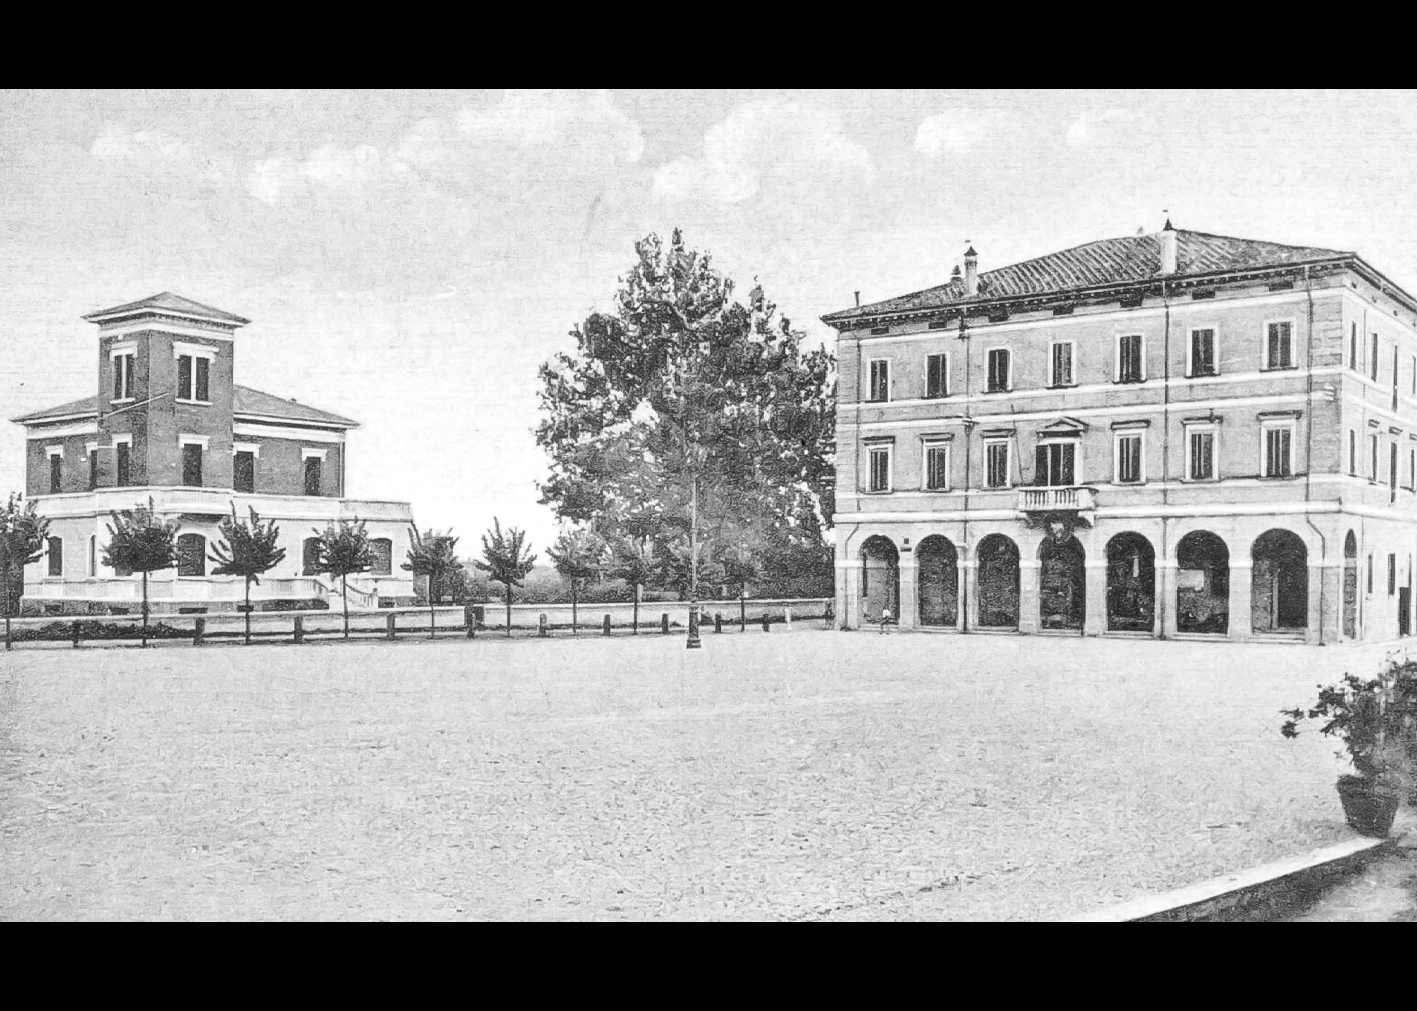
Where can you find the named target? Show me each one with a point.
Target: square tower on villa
(1167, 434)
(169, 423)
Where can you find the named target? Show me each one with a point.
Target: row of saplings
(1376, 719)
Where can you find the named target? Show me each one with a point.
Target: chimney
(971, 273)
(1168, 249)
(858, 300)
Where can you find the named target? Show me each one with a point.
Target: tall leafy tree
(432, 555)
(341, 552)
(139, 542)
(579, 555)
(679, 393)
(248, 550)
(506, 559)
(23, 533)
(633, 560)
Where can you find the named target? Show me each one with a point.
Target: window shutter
(203, 368)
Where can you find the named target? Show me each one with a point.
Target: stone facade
(1225, 448)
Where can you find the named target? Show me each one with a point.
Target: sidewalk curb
(1250, 894)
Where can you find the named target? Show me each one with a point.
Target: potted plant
(1376, 719)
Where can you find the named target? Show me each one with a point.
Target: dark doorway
(1202, 584)
(310, 558)
(998, 582)
(1279, 588)
(937, 565)
(1131, 584)
(1350, 586)
(880, 579)
(1062, 583)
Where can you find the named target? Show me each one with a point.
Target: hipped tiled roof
(167, 302)
(247, 402)
(1107, 261)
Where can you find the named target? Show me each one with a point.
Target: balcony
(1072, 504)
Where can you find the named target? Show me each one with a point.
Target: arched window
(191, 555)
(381, 553)
(56, 556)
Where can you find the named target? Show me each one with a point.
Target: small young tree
(342, 551)
(139, 542)
(634, 561)
(505, 560)
(22, 539)
(432, 555)
(247, 550)
(578, 555)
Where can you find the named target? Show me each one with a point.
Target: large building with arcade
(1167, 434)
(169, 424)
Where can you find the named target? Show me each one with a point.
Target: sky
(408, 259)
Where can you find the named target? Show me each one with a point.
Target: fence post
(390, 621)
(76, 635)
(541, 627)
(299, 628)
(199, 628)
(469, 618)
(664, 624)
(718, 621)
(605, 626)
(765, 622)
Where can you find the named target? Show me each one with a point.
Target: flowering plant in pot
(1376, 719)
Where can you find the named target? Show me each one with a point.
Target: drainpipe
(1165, 450)
(1309, 452)
(968, 427)
(859, 402)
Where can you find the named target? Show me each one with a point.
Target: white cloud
(117, 143)
(953, 131)
(1092, 126)
(541, 118)
(268, 178)
(770, 140)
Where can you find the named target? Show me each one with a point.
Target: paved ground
(794, 775)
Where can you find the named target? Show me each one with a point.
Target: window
(1202, 361)
(1412, 469)
(1129, 359)
(93, 555)
(880, 468)
(56, 472)
(1414, 375)
(1370, 574)
(1394, 377)
(1000, 377)
(937, 375)
(880, 380)
(1353, 348)
(1392, 472)
(1352, 453)
(125, 464)
(1279, 346)
(1373, 462)
(381, 555)
(1391, 575)
(193, 373)
(996, 464)
(312, 475)
(1053, 464)
(1062, 371)
(937, 466)
(1129, 468)
(1200, 454)
(243, 471)
(1373, 361)
(93, 469)
(1278, 450)
(123, 376)
(191, 555)
(192, 464)
(56, 556)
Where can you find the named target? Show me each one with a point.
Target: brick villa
(1165, 434)
(170, 423)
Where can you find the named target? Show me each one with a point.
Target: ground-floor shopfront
(1318, 578)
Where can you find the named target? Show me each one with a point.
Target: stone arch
(1131, 583)
(937, 581)
(998, 560)
(1062, 583)
(1279, 582)
(1202, 583)
(880, 578)
(1350, 586)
